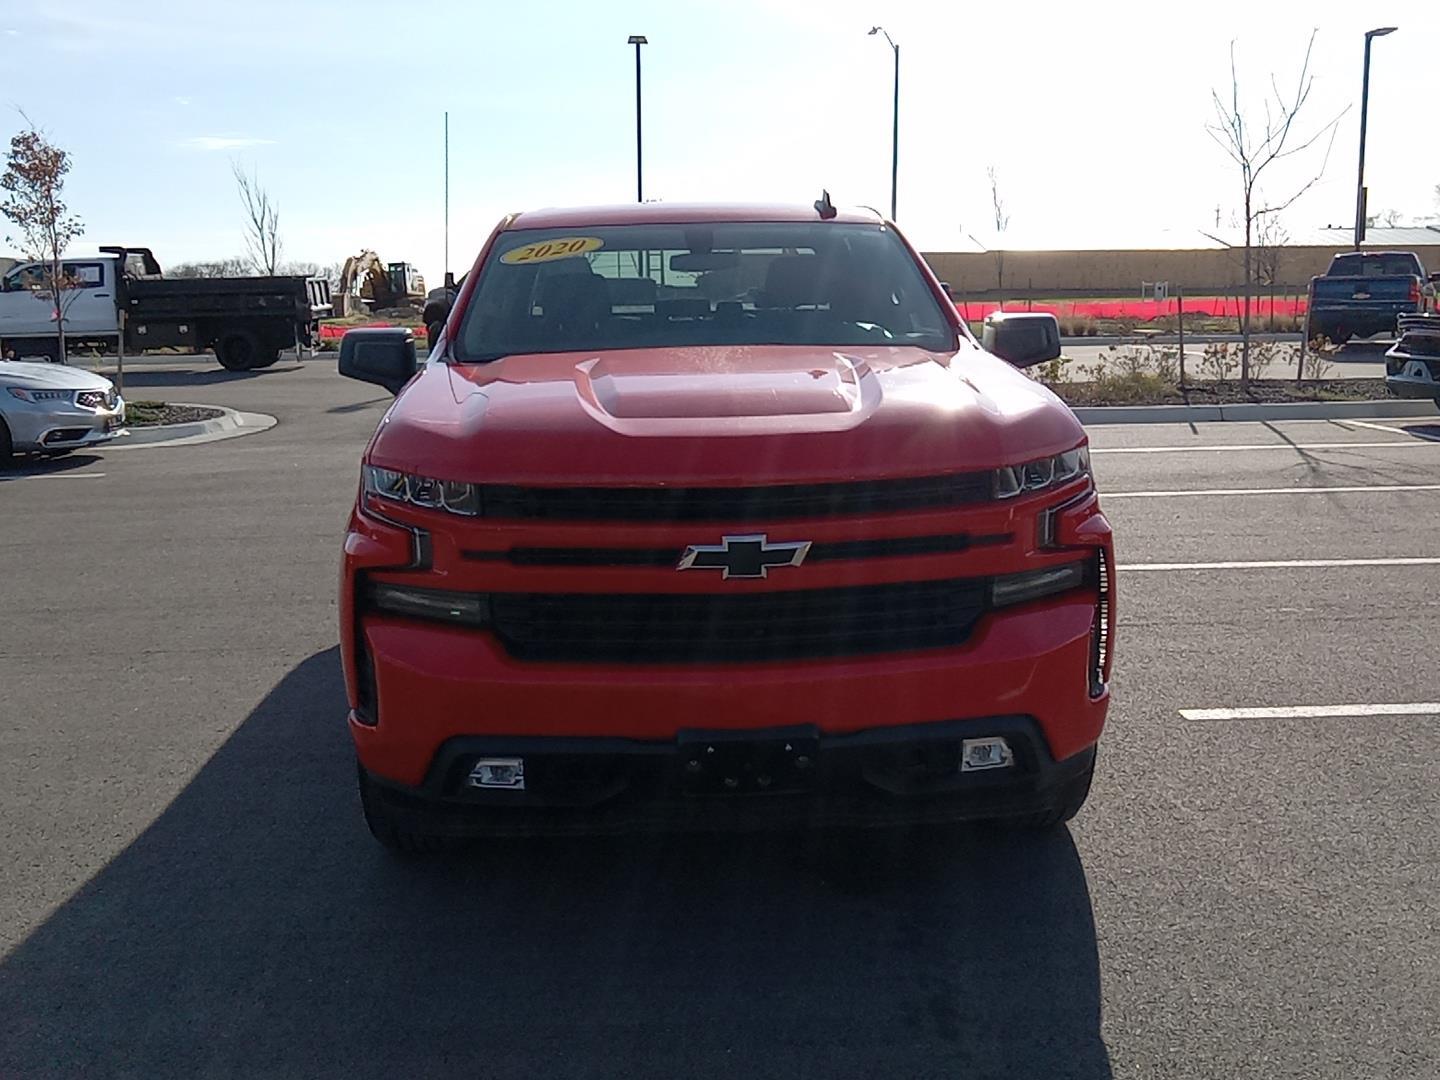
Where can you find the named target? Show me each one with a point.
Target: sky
(1092, 115)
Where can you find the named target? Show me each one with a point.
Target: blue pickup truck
(1365, 293)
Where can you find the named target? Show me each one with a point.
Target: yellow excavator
(367, 284)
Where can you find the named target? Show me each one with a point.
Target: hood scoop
(719, 384)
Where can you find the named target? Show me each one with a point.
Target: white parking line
(1279, 564)
(52, 476)
(1370, 426)
(1314, 712)
(1410, 441)
(1109, 495)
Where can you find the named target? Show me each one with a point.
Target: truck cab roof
(659, 213)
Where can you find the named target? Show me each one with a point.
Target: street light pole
(1364, 109)
(895, 121)
(637, 40)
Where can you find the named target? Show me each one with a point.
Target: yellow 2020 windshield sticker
(564, 247)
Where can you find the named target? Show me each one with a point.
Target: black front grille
(893, 547)
(669, 628)
(769, 503)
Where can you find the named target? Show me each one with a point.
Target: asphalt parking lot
(187, 887)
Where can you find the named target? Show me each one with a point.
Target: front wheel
(7, 447)
(388, 827)
(1069, 798)
(239, 351)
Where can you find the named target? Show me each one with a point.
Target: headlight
(1012, 480)
(441, 605)
(36, 396)
(454, 496)
(1033, 584)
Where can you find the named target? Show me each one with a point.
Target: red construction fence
(1142, 310)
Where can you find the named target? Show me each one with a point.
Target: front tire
(1069, 798)
(7, 446)
(239, 351)
(386, 827)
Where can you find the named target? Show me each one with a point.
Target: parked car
(718, 517)
(246, 321)
(1364, 292)
(53, 409)
(1412, 365)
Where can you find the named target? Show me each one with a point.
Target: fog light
(989, 753)
(508, 773)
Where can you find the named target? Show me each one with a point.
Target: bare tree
(1255, 151)
(1387, 218)
(1002, 222)
(1271, 236)
(262, 222)
(33, 182)
(234, 266)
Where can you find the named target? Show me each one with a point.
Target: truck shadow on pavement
(254, 928)
(207, 376)
(46, 466)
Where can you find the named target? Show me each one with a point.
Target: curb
(230, 424)
(1290, 410)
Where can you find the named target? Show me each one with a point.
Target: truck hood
(43, 376)
(720, 416)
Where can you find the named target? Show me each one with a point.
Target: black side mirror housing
(1021, 338)
(384, 356)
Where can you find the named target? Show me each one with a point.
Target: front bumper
(59, 426)
(879, 777)
(434, 683)
(1412, 377)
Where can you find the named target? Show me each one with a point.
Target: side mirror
(1022, 338)
(1435, 278)
(384, 356)
(948, 290)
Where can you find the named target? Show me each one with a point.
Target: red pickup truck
(717, 517)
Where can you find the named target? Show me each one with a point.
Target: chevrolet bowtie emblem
(744, 556)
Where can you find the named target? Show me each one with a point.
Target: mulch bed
(1267, 391)
(156, 413)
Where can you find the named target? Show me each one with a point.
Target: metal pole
(895, 134)
(1180, 324)
(447, 196)
(639, 153)
(1360, 180)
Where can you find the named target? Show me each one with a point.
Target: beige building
(1213, 263)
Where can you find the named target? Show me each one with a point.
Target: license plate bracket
(748, 762)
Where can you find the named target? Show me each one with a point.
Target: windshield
(1381, 265)
(660, 286)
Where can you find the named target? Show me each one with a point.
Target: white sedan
(53, 408)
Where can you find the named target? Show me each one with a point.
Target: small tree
(262, 222)
(33, 182)
(1002, 222)
(1270, 240)
(1255, 151)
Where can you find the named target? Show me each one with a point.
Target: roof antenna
(824, 207)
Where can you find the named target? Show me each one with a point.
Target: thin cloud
(182, 101)
(224, 142)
